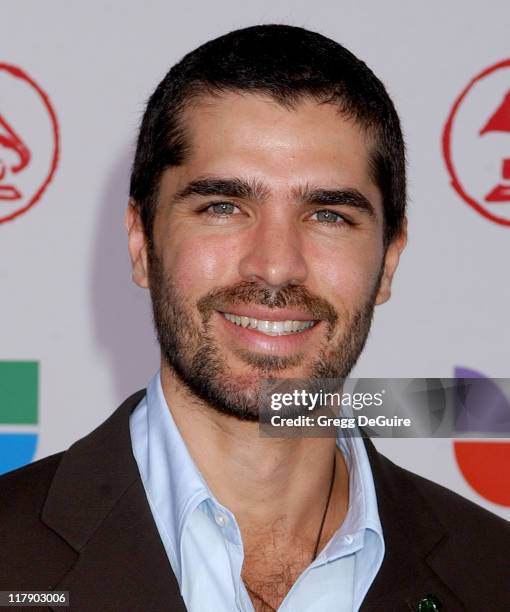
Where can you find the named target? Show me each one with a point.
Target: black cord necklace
(317, 543)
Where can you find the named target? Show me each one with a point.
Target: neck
(263, 481)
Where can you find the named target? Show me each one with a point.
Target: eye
(328, 216)
(223, 209)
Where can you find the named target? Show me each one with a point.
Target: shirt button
(348, 539)
(221, 519)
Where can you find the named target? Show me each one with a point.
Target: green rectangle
(19, 389)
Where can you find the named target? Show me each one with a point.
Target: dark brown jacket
(79, 521)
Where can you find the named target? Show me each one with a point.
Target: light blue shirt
(203, 541)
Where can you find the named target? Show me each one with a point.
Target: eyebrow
(228, 188)
(335, 197)
(256, 190)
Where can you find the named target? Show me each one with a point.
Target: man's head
(267, 216)
(288, 64)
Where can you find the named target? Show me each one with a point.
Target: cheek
(201, 263)
(344, 273)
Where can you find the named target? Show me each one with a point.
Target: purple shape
(480, 404)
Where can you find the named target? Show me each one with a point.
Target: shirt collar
(173, 482)
(167, 466)
(362, 511)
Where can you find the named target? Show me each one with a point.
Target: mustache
(251, 292)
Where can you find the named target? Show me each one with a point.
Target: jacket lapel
(97, 504)
(413, 538)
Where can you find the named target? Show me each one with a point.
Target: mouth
(255, 329)
(283, 327)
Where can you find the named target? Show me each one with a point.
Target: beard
(193, 354)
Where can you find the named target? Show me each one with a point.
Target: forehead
(253, 136)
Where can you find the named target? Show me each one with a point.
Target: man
(267, 218)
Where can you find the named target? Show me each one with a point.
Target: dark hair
(287, 63)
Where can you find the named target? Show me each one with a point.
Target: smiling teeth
(271, 328)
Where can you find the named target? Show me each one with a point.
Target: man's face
(268, 250)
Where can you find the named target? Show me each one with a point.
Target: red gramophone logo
(29, 146)
(476, 143)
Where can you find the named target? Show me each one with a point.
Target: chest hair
(273, 562)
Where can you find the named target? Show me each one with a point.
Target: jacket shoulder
(26, 488)
(471, 555)
(455, 511)
(464, 544)
(32, 556)
(24, 491)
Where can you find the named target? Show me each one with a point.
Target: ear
(137, 245)
(391, 260)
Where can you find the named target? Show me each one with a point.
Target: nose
(274, 255)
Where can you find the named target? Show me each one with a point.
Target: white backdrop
(67, 300)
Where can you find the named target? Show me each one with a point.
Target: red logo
(476, 143)
(29, 144)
